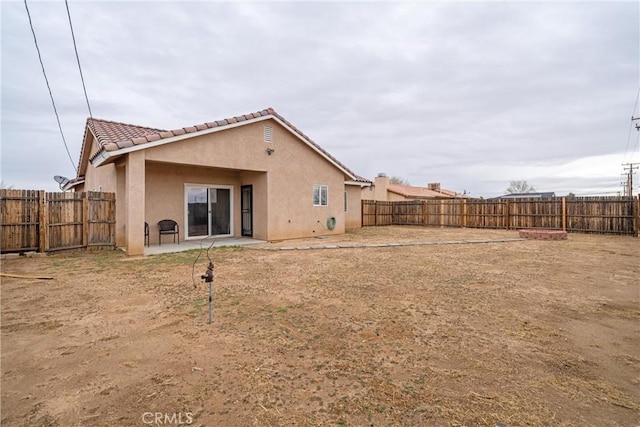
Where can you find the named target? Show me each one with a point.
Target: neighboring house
(546, 195)
(382, 190)
(253, 175)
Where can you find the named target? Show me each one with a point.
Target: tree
(398, 181)
(520, 187)
(571, 196)
(5, 186)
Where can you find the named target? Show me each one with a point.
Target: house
(252, 175)
(382, 190)
(544, 195)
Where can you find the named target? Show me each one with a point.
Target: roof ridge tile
(95, 119)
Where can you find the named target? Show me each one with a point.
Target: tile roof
(114, 136)
(421, 192)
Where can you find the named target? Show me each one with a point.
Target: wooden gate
(33, 220)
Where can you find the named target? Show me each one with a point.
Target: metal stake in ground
(208, 278)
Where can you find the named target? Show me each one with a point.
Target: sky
(471, 94)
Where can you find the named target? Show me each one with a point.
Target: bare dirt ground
(521, 333)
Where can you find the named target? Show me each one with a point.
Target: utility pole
(631, 167)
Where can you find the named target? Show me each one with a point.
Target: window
(320, 195)
(346, 204)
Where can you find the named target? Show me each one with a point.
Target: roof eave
(69, 185)
(104, 156)
(358, 183)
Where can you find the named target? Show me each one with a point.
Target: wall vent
(268, 134)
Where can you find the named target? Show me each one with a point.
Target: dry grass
(519, 333)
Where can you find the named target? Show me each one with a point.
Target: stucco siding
(240, 148)
(259, 182)
(135, 188)
(368, 193)
(121, 206)
(395, 197)
(99, 179)
(353, 216)
(166, 192)
(282, 174)
(291, 169)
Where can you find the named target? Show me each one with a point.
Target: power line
(55, 110)
(78, 59)
(635, 105)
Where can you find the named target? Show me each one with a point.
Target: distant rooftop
(422, 192)
(543, 195)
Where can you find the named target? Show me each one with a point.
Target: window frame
(318, 190)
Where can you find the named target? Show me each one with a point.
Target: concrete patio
(188, 245)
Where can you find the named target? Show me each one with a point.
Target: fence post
(564, 214)
(636, 217)
(425, 213)
(375, 213)
(43, 243)
(442, 213)
(112, 214)
(463, 214)
(506, 215)
(85, 219)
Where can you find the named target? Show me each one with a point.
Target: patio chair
(168, 226)
(146, 233)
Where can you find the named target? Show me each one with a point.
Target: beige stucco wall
(353, 216)
(380, 188)
(259, 181)
(395, 197)
(368, 193)
(102, 178)
(166, 192)
(379, 191)
(282, 183)
(135, 187)
(294, 169)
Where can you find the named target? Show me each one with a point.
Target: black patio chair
(168, 226)
(146, 233)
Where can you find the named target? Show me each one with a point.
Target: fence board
(101, 219)
(485, 213)
(34, 220)
(65, 220)
(535, 213)
(615, 215)
(604, 215)
(19, 217)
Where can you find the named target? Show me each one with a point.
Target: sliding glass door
(197, 212)
(209, 210)
(220, 208)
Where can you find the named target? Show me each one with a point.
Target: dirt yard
(521, 333)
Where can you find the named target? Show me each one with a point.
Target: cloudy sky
(470, 94)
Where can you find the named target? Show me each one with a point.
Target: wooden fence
(604, 215)
(32, 220)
